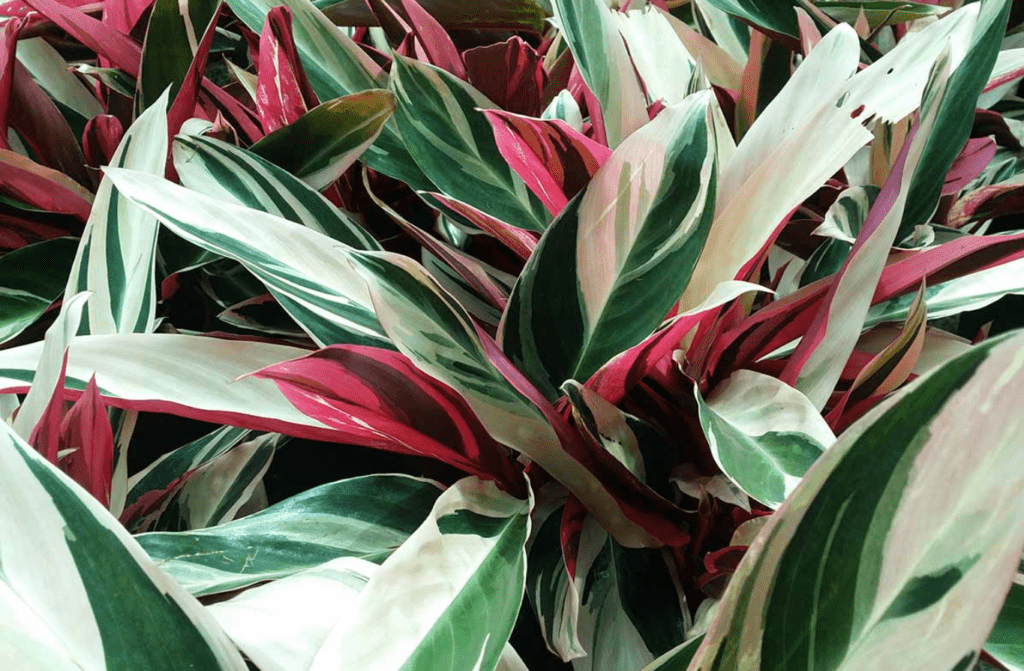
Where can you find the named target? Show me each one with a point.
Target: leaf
(816, 365)
(591, 33)
(52, 73)
(775, 17)
(619, 609)
(763, 434)
(553, 160)
(116, 256)
(25, 293)
(74, 581)
(231, 174)
(633, 236)
(678, 658)
(510, 73)
(652, 42)
(954, 120)
(281, 625)
(173, 35)
(467, 565)
(86, 429)
(299, 266)
(365, 518)
(217, 489)
(43, 188)
(47, 380)
(184, 375)
(454, 146)
(437, 46)
(379, 399)
(336, 67)
(878, 12)
(485, 14)
(1005, 643)
(873, 549)
(282, 92)
(325, 141)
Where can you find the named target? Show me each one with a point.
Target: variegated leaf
(117, 253)
(453, 144)
(609, 269)
(874, 561)
(763, 434)
(366, 518)
(302, 268)
(592, 34)
(325, 141)
(173, 36)
(280, 626)
(1005, 643)
(235, 175)
(466, 566)
(74, 582)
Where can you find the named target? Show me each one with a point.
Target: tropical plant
(691, 322)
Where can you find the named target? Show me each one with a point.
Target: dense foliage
(331, 330)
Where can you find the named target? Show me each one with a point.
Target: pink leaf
(520, 242)
(973, 159)
(510, 74)
(377, 398)
(8, 44)
(46, 434)
(122, 52)
(100, 139)
(554, 160)
(283, 93)
(122, 15)
(87, 428)
(185, 101)
(41, 187)
(439, 48)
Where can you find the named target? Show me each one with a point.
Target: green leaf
(325, 141)
(878, 12)
(1005, 643)
(305, 270)
(874, 557)
(172, 38)
(773, 16)
(235, 175)
(763, 434)
(49, 69)
(453, 143)
(74, 582)
(955, 116)
(468, 588)
(31, 279)
(617, 258)
(366, 518)
(337, 66)
(678, 658)
(117, 254)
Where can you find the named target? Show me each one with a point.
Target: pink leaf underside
(520, 242)
(282, 92)
(122, 15)
(394, 26)
(17, 230)
(8, 42)
(510, 74)
(377, 398)
(100, 139)
(573, 516)
(45, 435)
(975, 156)
(588, 101)
(555, 161)
(87, 427)
(437, 45)
(106, 41)
(786, 319)
(41, 187)
(241, 118)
